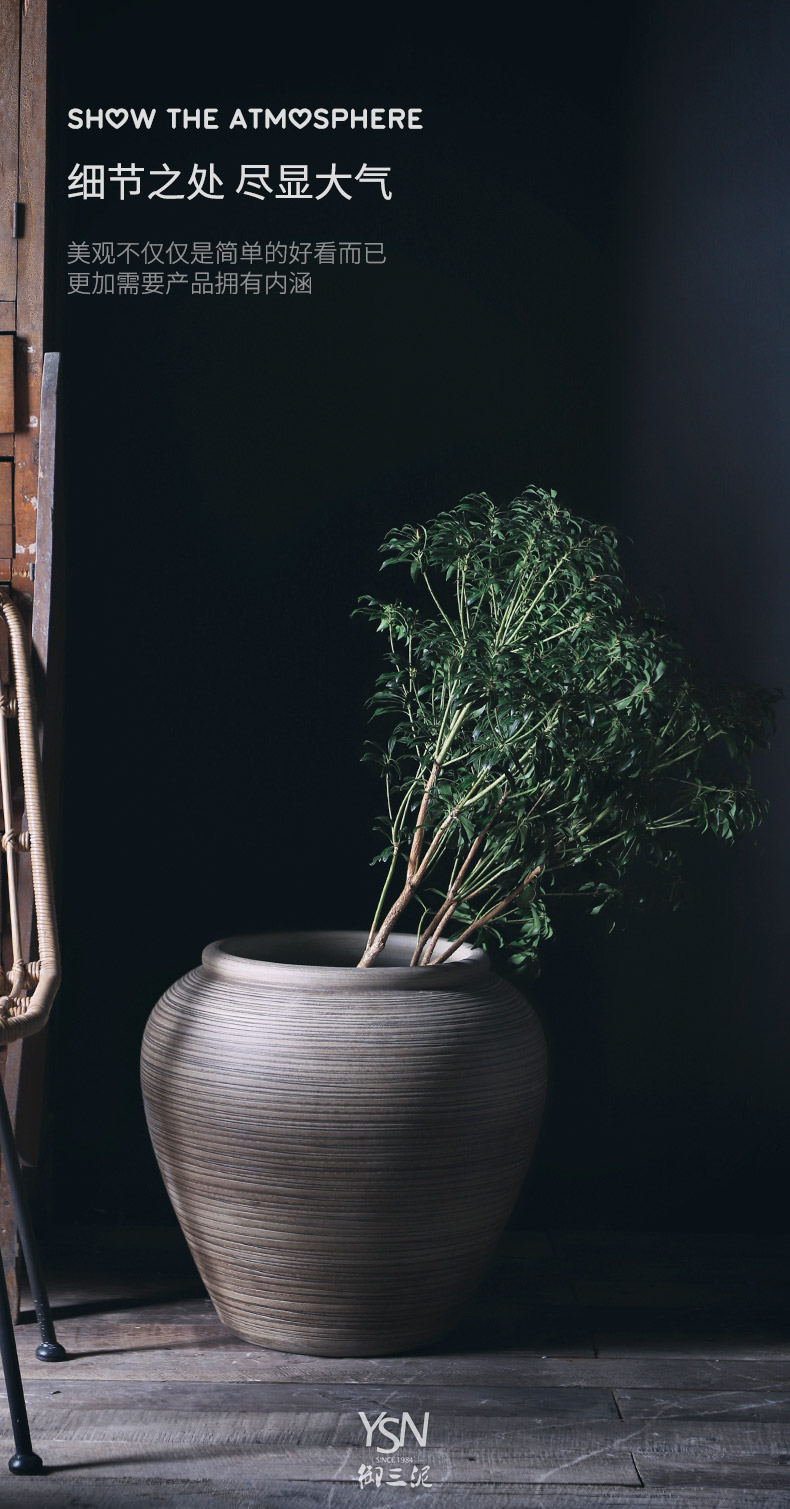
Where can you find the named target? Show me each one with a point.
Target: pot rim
(238, 958)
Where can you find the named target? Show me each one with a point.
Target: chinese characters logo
(398, 1471)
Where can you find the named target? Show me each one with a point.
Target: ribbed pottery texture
(342, 1147)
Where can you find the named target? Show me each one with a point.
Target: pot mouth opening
(336, 954)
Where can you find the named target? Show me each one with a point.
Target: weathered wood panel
(130, 1351)
(37, 1493)
(747, 1475)
(6, 383)
(249, 1462)
(126, 1494)
(30, 284)
(46, 545)
(538, 1405)
(717, 1338)
(324, 1437)
(9, 113)
(768, 1404)
(323, 1446)
(469, 1440)
(6, 512)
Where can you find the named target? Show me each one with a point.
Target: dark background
(587, 288)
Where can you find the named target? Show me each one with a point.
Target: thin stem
(453, 898)
(384, 891)
(423, 938)
(396, 850)
(419, 831)
(489, 916)
(448, 621)
(442, 919)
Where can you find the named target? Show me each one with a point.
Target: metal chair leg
(50, 1349)
(24, 1461)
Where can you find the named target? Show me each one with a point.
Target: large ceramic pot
(342, 1146)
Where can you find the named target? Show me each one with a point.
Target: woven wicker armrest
(28, 987)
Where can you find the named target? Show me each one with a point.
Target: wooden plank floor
(593, 1369)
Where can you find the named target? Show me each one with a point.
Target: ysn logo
(398, 1439)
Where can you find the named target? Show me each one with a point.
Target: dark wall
(583, 289)
(671, 1098)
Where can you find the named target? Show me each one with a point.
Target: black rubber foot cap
(51, 1351)
(26, 1464)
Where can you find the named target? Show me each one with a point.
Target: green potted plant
(547, 736)
(343, 1121)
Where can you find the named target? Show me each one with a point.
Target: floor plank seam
(588, 1375)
